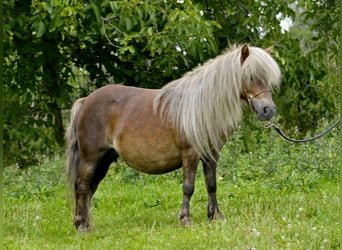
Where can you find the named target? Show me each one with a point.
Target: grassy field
(274, 195)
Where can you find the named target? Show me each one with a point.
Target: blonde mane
(205, 105)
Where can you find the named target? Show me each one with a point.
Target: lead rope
(281, 133)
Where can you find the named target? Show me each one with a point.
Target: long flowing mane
(205, 105)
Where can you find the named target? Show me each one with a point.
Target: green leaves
(41, 29)
(146, 35)
(309, 92)
(36, 76)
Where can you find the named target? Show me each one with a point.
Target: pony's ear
(269, 49)
(244, 53)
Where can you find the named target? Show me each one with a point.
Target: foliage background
(56, 51)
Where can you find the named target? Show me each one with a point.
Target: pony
(156, 131)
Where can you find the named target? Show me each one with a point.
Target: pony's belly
(152, 167)
(152, 164)
(151, 158)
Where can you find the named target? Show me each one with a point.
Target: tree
(310, 61)
(37, 69)
(47, 42)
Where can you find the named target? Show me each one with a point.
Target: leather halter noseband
(250, 96)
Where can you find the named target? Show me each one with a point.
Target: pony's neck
(204, 104)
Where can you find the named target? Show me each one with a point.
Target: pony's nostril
(269, 112)
(266, 110)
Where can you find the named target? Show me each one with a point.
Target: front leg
(190, 163)
(209, 169)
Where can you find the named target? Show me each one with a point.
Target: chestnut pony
(158, 131)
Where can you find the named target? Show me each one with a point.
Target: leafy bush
(259, 155)
(34, 183)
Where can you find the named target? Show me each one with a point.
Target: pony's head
(260, 73)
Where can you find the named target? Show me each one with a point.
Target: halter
(250, 96)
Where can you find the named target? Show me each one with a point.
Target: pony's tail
(72, 152)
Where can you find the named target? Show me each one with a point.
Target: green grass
(276, 195)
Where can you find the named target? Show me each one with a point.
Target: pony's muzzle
(268, 113)
(264, 110)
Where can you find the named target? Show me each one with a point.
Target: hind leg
(83, 195)
(102, 168)
(89, 176)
